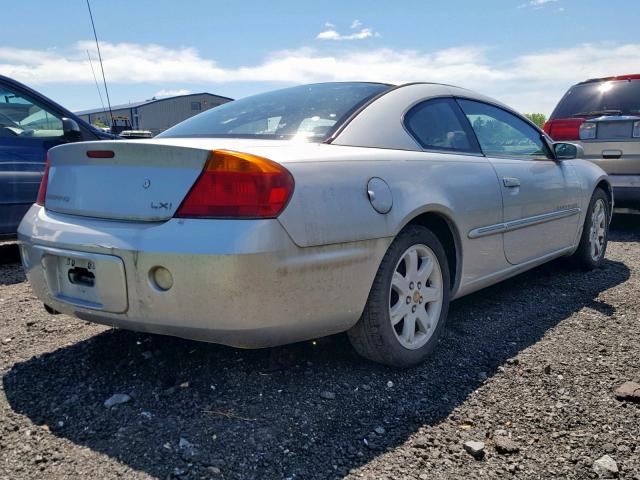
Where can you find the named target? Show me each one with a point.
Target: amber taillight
(238, 185)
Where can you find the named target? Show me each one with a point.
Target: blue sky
(523, 52)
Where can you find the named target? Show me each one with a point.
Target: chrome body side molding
(522, 222)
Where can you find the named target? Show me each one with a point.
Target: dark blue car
(30, 124)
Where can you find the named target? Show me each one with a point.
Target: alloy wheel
(598, 232)
(416, 296)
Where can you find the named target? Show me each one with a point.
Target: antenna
(96, 82)
(104, 79)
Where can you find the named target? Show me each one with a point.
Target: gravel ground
(527, 367)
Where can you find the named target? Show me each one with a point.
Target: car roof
(629, 76)
(394, 103)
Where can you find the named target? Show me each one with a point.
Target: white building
(155, 115)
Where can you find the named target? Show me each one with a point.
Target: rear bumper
(621, 157)
(237, 282)
(626, 190)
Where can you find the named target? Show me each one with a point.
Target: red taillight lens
(42, 191)
(564, 128)
(238, 185)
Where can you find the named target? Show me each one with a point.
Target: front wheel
(595, 233)
(408, 303)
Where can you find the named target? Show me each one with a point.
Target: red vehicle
(603, 116)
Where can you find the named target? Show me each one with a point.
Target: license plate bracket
(89, 280)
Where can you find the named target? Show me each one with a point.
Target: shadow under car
(299, 411)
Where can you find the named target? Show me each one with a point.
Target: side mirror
(567, 151)
(70, 130)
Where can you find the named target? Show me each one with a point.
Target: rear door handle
(511, 182)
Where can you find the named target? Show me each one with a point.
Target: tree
(537, 118)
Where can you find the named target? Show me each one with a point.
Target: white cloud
(172, 92)
(538, 3)
(332, 34)
(123, 63)
(531, 82)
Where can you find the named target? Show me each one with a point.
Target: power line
(104, 79)
(96, 82)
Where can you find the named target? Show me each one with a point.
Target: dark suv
(30, 124)
(603, 115)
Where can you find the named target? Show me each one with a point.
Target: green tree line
(537, 118)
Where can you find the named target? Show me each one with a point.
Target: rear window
(309, 112)
(617, 97)
(439, 125)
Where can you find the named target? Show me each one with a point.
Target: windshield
(617, 97)
(310, 112)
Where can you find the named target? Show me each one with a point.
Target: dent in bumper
(237, 282)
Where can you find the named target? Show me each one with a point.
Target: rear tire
(595, 233)
(406, 310)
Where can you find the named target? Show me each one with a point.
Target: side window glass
(20, 117)
(501, 133)
(437, 125)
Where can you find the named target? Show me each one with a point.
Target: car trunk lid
(124, 180)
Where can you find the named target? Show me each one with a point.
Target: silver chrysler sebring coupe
(308, 211)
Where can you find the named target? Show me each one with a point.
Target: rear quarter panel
(330, 203)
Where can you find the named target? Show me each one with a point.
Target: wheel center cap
(416, 297)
